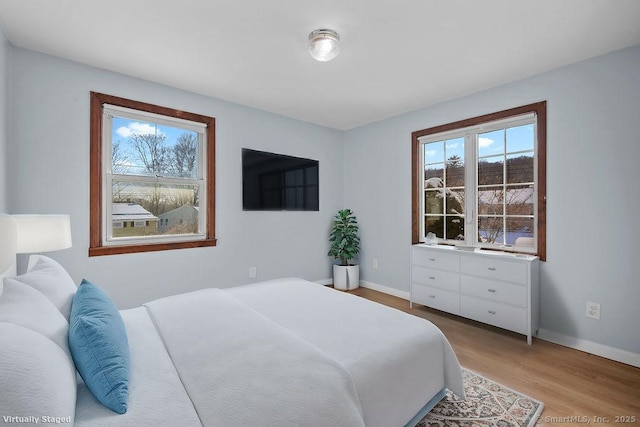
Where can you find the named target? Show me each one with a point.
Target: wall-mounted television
(276, 182)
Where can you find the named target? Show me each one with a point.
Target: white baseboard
(385, 289)
(622, 356)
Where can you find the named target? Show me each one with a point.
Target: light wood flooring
(572, 384)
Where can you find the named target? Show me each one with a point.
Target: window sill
(129, 249)
(482, 250)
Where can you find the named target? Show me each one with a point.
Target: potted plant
(345, 245)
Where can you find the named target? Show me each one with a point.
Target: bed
(275, 353)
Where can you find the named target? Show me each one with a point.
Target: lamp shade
(8, 245)
(42, 233)
(324, 45)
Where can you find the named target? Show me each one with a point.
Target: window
(149, 164)
(482, 181)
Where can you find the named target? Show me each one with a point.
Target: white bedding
(278, 353)
(397, 361)
(242, 369)
(156, 395)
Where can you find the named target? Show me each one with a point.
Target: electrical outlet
(374, 264)
(593, 310)
(253, 272)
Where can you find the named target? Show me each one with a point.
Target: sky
(518, 139)
(123, 128)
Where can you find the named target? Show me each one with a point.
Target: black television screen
(275, 182)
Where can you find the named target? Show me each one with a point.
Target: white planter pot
(346, 278)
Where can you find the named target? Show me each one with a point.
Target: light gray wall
(5, 50)
(49, 171)
(593, 176)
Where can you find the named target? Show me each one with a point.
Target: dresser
(501, 289)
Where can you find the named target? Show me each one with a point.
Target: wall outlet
(593, 310)
(374, 264)
(253, 272)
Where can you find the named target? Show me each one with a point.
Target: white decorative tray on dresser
(492, 287)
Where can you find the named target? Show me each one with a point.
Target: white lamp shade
(42, 233)
(8, 243)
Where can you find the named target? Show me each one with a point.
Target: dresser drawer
(493, 268)
(493, 290)
(436, 259)
(436, 278)
(436, 298)
(494, 313)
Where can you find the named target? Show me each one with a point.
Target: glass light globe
(324, 45)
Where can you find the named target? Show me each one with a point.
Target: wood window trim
(540, 109)
(95, 177)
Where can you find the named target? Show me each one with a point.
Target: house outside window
(146, 161)
(481, 182)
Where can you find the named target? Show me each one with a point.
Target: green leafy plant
(344, 240)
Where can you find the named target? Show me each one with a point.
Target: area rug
(487, 404)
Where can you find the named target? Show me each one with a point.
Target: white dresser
(497, 288)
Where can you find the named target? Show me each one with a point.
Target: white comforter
(397, 361)
(240, 369)
(281, 353)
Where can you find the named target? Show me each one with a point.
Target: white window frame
(108, 113)
(467, 128)
(471, 159)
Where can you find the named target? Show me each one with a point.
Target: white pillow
(50, 278)
(22, 305)
(38, 379)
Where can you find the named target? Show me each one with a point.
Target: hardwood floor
(575, 387)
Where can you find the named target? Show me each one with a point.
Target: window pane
(490, 201)
(455, 162)
(434, 202)
(491, 143)
(520, 138)
(455, 201)
(519, 200)
(455, 227)
(455, 172)
(435, 225)
(434, 152)
(455, 148)
(434, 175)
(490, 170)
(520, 231)
(520, 168)
(491, 230)
(164, 208)
(149, 149)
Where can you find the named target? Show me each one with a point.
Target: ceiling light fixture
(324, 45)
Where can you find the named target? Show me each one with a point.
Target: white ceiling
(396, 56)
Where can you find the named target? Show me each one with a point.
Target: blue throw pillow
(99, 346)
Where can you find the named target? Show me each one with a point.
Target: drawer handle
(432, 259)
(492, 312)
(432, 296)
(492, 269)
(432, 278)
(493, 291)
